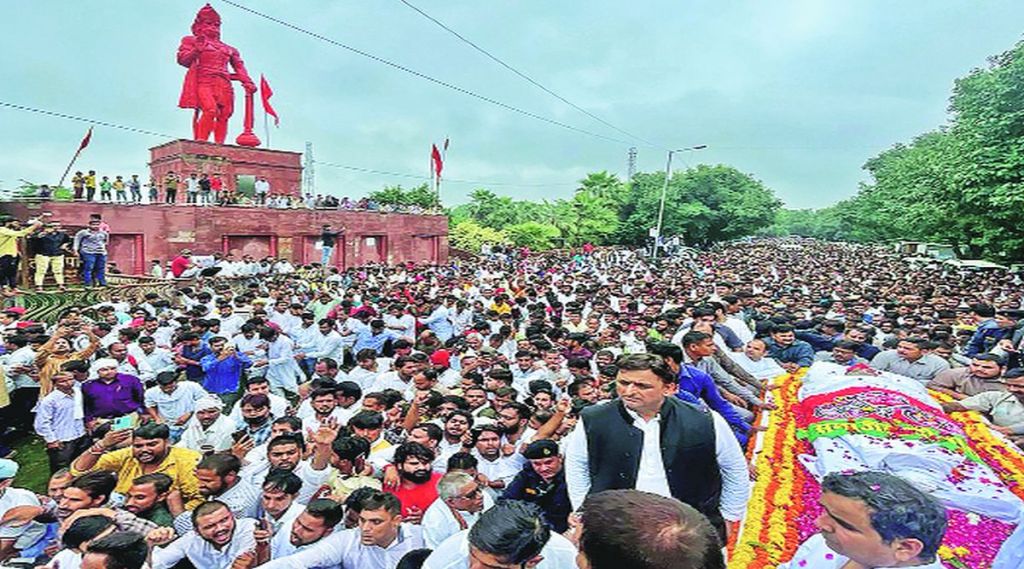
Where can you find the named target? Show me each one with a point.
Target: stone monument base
(238, 166)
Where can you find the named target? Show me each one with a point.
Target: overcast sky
(798, 93)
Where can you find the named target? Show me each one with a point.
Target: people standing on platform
(260, 190)
(170, 188)
(204, 190)
(119, 190)
(217, 189)
(50, 245)
(328, 240)
(9, 253)
(105, 187)
(192, 189)
(91, 246)
(154, 190)
(90, 186)
(135, 189)
(78, 186)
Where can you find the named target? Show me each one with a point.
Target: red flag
(265, 94)
(85, 141)
(435, 156)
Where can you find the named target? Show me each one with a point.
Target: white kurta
(345, 549)
(453, 553)
(201, 553)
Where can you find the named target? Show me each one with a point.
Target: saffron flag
(265, 94)
(85, 141)
(435, 156)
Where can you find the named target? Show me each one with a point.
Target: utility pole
(308, 172)
(631, 165)
(664, 191)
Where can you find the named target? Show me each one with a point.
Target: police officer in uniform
(542, 482)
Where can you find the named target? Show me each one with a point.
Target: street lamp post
(664, 191)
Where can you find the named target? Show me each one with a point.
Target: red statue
(207, 87)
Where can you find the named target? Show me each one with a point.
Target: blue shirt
(697, 384)
(222, 376)
(985, 338)
(439, 324)
(195, 372)
(366, 339)
(799, 352)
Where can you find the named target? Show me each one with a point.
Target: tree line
(962, 183)
(703, 204)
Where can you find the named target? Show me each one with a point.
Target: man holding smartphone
(11, 231)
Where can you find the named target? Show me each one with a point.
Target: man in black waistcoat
(649, 440)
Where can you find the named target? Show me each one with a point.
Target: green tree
(703, 204)
(537, 236)
(469, 236)
(421, 196)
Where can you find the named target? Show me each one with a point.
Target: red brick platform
(142, 233)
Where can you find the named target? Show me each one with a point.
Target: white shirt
(330, 346)
(365, 378)
(172, 405)
(231, 325)
(25, 535)
(245, 345)
(764, 368)
(815, 553)
(307, 339)
(504, 468)
(453, 553)
(312, 422)
(740, 327)
(278, 409)
(731, 464)
(439, 522)
(65, 559)
(390, 380)
(202, 553)
(406, 321)
(243, 499)
(345, 549)
(282, 369)
(218, 435)
(257, 472)
(281, 543)
(160, 359)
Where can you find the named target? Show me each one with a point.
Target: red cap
(441, 358)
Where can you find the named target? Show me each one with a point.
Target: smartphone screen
(121, 423)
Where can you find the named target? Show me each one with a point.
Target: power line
(524, 75)
(447, 180)
(308, 147)
(421, 75)
(83, 119)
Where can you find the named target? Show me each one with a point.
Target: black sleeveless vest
(688, 452)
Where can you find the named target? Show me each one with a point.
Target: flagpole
(68, 169)
(266, 128)
(81, 146)
(444, 160)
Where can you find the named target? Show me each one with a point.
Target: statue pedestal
(282, 168)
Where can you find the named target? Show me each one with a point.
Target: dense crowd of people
(201, 189)
(560, 410)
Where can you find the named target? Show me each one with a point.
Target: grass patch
(34, 464)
